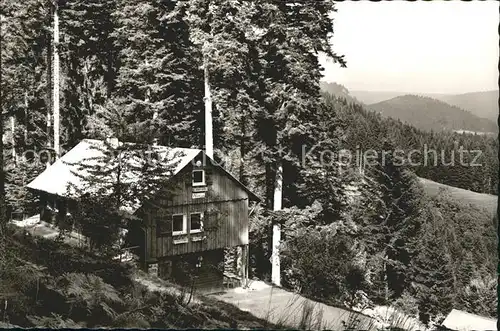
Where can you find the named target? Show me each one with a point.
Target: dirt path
(287, 308)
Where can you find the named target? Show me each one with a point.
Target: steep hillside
(50, 284)
(480, 200)
(339, 91)
(431, 114)
(482, 104)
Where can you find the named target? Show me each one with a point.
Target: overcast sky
(426, 47)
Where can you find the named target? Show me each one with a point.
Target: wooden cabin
(181, 235)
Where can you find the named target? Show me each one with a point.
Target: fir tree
(292, 35)
(432, 270)
(394, 228)
(479, 295)
(227, 38)
(159, 83)
(323, 173)
(25, 92)
(25, 68)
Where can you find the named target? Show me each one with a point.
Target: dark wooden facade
(202, 270)
(224, 208)
(223, 203)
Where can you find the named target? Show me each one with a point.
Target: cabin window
(179, 224)
(196, 222)
(198, 177)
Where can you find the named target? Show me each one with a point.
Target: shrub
(60, 258)
(319, 263)
(480, 296)
(54, 322)
(407, 304)
(87, 298)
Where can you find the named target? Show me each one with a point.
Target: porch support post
(242, 264)
(246, 263)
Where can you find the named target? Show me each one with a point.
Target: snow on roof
(65, 175)
(464, 321)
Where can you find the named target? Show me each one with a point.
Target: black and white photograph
(249, 164)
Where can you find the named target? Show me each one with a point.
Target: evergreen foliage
(159, 83)
(433, 271)
(134, 70)
(89, 59)
(468, 161)
(316, 265)
(94, 292)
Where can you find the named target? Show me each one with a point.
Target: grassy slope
(481, 200)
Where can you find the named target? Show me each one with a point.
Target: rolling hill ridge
(430, 114)
(482, 104)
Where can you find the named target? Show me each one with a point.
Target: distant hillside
(481, 200)
(482, 104)
(430, 114)
(369, 97)
(339, 91)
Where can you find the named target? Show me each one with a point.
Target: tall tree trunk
(13, 140)
(25, 119)
(277, 204)
(3, 218)
(209, 139)
(386, 283)
(243, 178)
(49, 94)
(55, 83)
(155, 116)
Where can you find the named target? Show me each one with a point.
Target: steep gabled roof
(63, 176)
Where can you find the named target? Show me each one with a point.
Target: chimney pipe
(209, 139)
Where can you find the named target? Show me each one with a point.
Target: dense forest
(414, 251)
(478, 170)
(353, 233)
